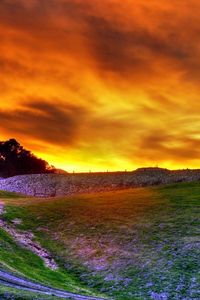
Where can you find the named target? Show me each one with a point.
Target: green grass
(5, 194)
(132, 244)
(7, 293)
(20, 261)
(23, 262)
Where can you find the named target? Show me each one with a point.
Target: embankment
(51, 185)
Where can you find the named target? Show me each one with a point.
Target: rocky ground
(51, 185)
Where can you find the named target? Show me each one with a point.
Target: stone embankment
(51, 185)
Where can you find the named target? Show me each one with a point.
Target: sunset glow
(102, 84)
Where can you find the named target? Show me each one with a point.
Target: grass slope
(133, 244)
(22, 262)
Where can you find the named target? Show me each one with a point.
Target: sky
(102, 84)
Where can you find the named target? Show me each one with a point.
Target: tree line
(15, 160)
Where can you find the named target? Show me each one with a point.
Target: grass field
(133, 244)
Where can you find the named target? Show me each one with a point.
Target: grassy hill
(132, 244)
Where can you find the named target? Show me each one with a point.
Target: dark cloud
(52, 25)
(52, 123)
(14, 67)
(16, 13)
(161, 146)
(41, 15)
(109, 45)
(120, 50)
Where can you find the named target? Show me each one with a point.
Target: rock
(17, 221)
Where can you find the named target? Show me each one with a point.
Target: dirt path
(26, 240)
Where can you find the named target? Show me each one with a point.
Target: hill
(128, 245)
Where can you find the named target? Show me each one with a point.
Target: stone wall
(51, 185)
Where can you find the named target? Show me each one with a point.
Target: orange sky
(102, 84)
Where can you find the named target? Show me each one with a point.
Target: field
(134, 244)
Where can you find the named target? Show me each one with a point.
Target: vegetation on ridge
(15, 160)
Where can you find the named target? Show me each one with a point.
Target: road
(16, 282)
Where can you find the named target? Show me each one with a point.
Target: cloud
(118, 50)
(67, 27)
(114, 81)
(52, 123)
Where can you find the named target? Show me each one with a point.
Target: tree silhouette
(15, 160)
